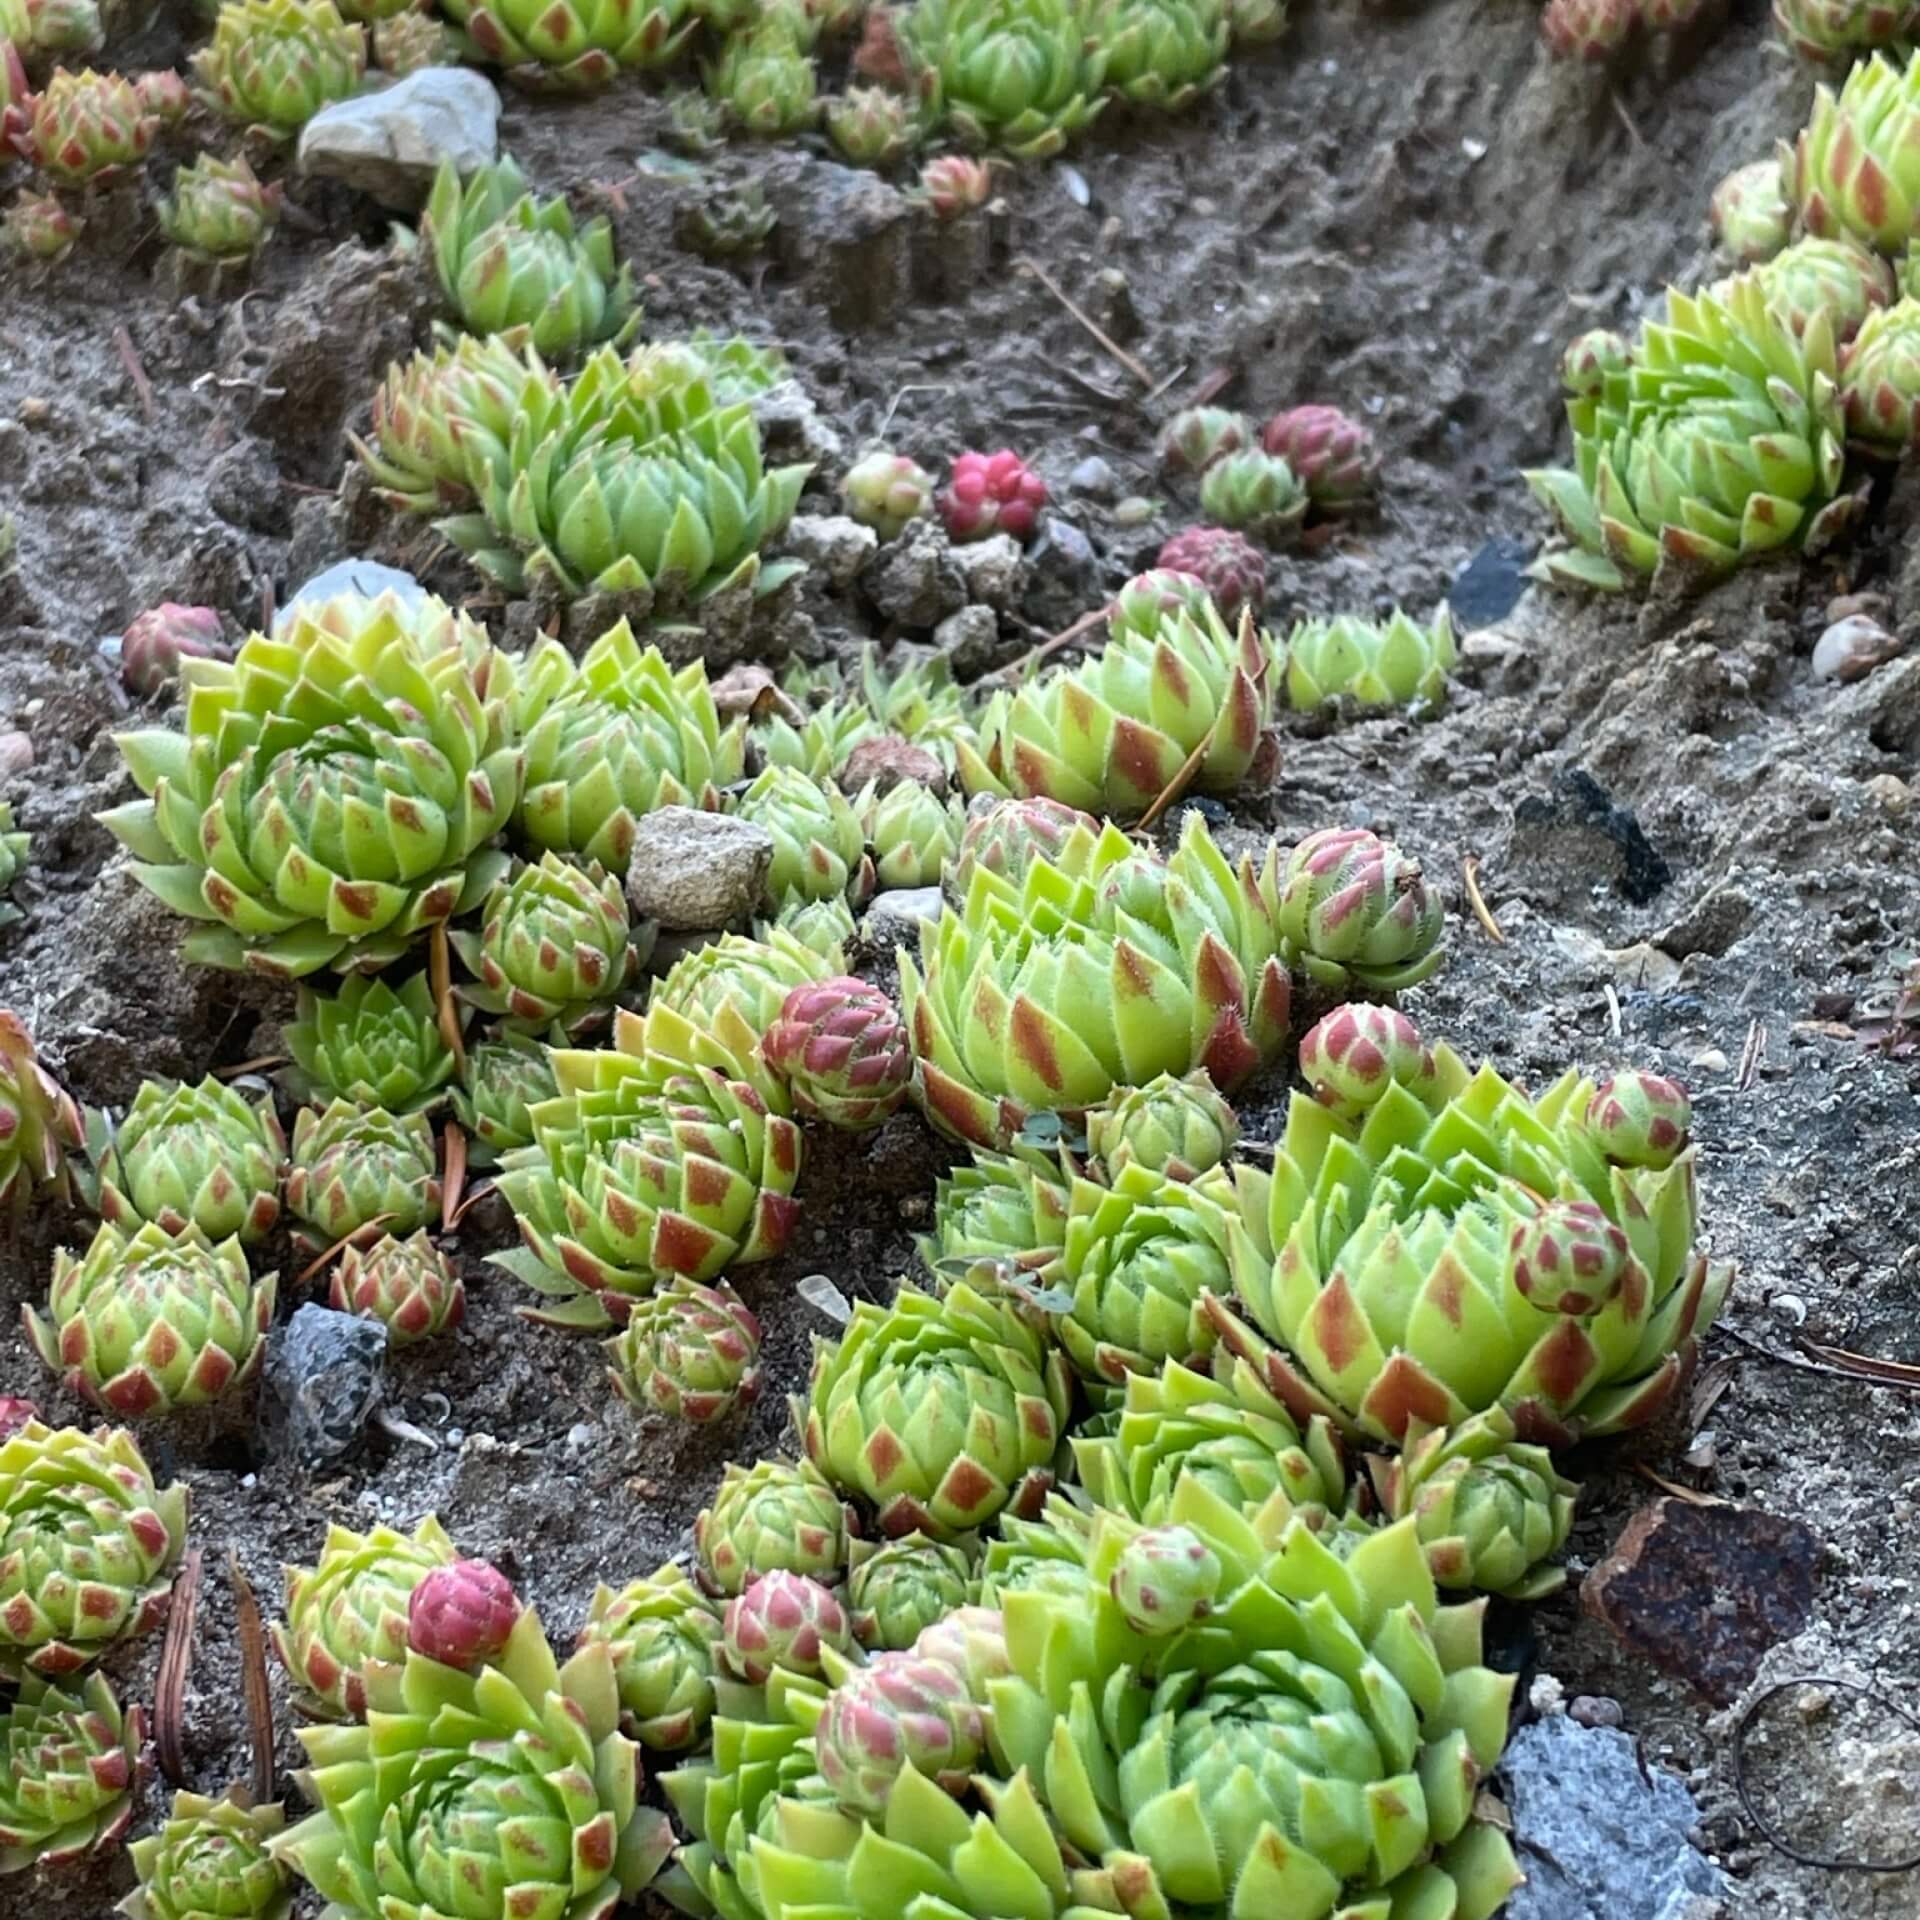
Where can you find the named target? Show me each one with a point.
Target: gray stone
(917, 580)
(995, 571)
(793, 428)
(837, 545)
(1093, 477)
(1066, 574)
(390, 143)
(693, 870)
(1597, 1838)
(366, 577)
(844, 233)
(895, 917)
(1852, 647)
(324, 1380)
(972, 638)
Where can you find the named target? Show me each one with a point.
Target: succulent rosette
(13, 860)
(841, 1047)
(39, 227)
(1640, 1119)
(70, 1767)
(765, 80)
(818, 746)
(991, 493)
(359, 1172)
(1022, 75)
(211, 1860)
(884, 490)
(507, 260)
(370, 1045)
(722, 224)
(640, 475)
(664, 1637)
(822, 927)
(1490, 1510)
(1136, 1260)
(902, 1712)
(220, 212)
(410, 42)
(39, 1122)
(782, 1620)
(913, 833)
(1046, 996)
(1462, 1247)
(149, 1322)
(1198, 436)
(440, 414)
(1828, 31)
(348, 1612)
(158, 639)
(872, 127)
(1839, 279)
(773, 1514)
(163, 93)
(1386, 663)
(733, 988)
(689, 1352)
(504, 1081)
(1353, 1055)
(819, 851)
(1355, 911)
(650, 1162)
(1162, 54)
(1007, 837)
(1007, 1212)
(1719, 443)
(1152, 599)
(554, 948)
(1588, 29)
(1588, 358)
(577, 46)
(88, 1545)
(1256, 492)
(952, 186)
(85, 126)
(407, 1285)
(1880, 378)
(938, 1412)
(896, 1589)
(273, 64)
(1852, 170)
(1231, 568)
(334, 793)
(1111, 735)
(1174, 1126)
(1332, 454)
(200, 1156)
(1749, 211)
(1164, 1580)
(1210, 1444)
(480, 1796)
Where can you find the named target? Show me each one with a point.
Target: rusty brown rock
(887, 760)
(1704, 1591)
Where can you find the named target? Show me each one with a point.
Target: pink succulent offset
(952, 184)
(1158, 595)
(164, 94)
(841, 1046)
(783, 1620)
(156, 641)
(992, 493)
(1570, 1258)
(462, 1615)
(1008, 836)
(15, 1413)
(1640, 1120)
(901, 1711)
(1227, 564)
(1357, 1052)
(1587, 29)
(1333, 454)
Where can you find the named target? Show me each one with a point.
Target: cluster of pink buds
(992, 493)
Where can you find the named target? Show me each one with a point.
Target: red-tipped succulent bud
(842, 1048)
(1008, 836)
(1357, 1052)
(164, 94)
(1588, 360)
(783, 1620)
(992, 493)
(1353, 907)
(1227, 564)
(38, 227)
(15, 1413)
(462, 1615)
(1165, 1579)
(157, 641)
(900, 1711)
(1587, 29)
(1198, 436)
(952, 185)
(1333, 454)
(1569, 1258)
(1640, 1120)
(1151, 597)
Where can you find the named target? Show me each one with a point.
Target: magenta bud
(462, 1615)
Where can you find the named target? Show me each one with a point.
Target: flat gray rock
(390, 143)
(896, 916)
(692, 871)
(367, 578)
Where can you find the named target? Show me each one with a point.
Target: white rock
(896, 916)
(694, 870)
(838, 545)
(1852, 647)
(365, 577)
(390, 143)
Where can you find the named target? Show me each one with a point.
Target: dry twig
(1106, 340)
(130, 359)
(176, 1657)
(1470, 878)
(253, 1680)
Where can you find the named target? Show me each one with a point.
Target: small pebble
(1851, 648)
(1709, 1060)
(1595, 1710)
(35, 412)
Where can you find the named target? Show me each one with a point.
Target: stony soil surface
(1402, 213)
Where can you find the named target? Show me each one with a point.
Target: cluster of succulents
(1264, 483)
(273, 64)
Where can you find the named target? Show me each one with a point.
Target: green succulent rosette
(912, 833)
(1163, 54)
(1880, 378)
(896, 1589)
(358, 1172)
(1839, 278)
(1102, 973)
(732, 989)
(507, 261)
(211, 1860)
(1111, 736)
(823, 927)
(664, 1636)
(1175, 1127)
(505, 1792)
(348, 1612)
(70, 1767)
(819, 744)
(13, 861)
(148, 1322)
(776, 1515)
(940, 1413)
(335, 792)
(88, 1545)
(273, 64)
(576, 46)
(765, 79)
(504, 1081)
(1853, 169)
(1004, 1213)
(1828, 31)
(39, 1122)
(612, 737)
(219, 211)
(819, 850)
(1386, 663)
(1356, 912)
(1021, 75)
(370, 1045)
(202, 1156)
(1721, 441)
(1462, 1247)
